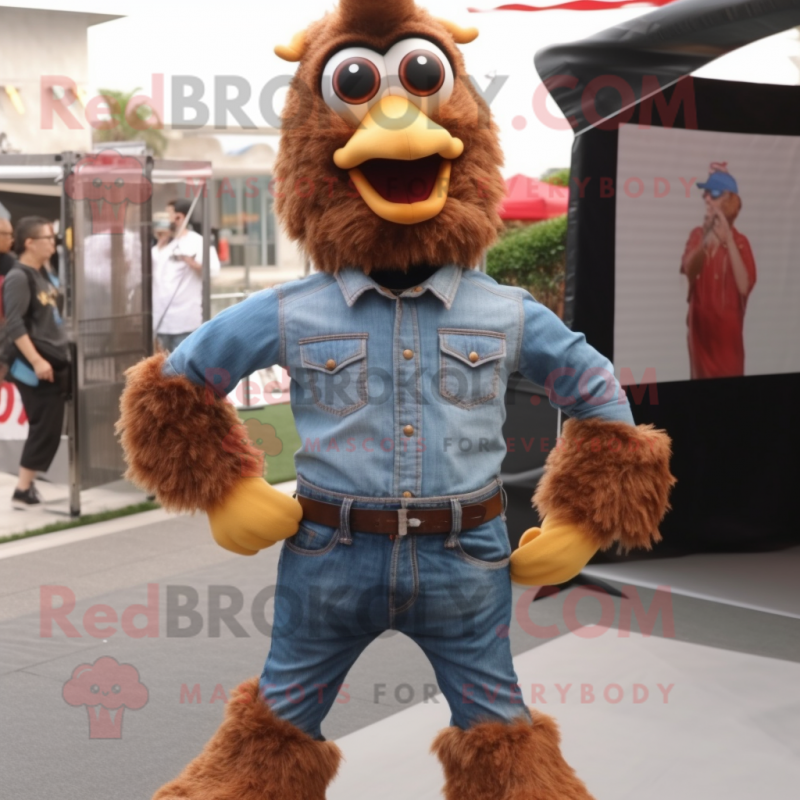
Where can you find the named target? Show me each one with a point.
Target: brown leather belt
(392, 522)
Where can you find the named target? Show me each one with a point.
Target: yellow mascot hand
(254, 516)
(552, 554)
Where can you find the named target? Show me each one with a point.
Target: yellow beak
(395, 130)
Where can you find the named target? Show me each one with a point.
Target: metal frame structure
(104, 340)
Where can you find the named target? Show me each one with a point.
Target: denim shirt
(401, 395)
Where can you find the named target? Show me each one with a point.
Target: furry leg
(502, 761)
(256, 756)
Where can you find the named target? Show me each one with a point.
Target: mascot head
(389, 158)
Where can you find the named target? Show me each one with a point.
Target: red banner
(575, 5)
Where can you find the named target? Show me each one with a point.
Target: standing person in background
(161, 232)
(721, 270)
(107, 256)
(178, 279)
(40, 366)
(7, 259)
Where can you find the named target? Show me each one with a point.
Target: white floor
(730, 727)
(56, 503)
(93, 501)
(762, 581)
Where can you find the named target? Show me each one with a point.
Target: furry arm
(182, 442)
(611, 479)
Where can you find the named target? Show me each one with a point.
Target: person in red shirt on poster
(719, 264)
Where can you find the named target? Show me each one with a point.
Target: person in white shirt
(107, 256)
(178, 280)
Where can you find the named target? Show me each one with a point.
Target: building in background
(40, 48)
(44, 81)
(37, 46)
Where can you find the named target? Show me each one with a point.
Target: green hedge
(533, 258)
(559, 178)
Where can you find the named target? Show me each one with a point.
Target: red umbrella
(531, 200)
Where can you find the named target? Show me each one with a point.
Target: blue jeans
(338, 590)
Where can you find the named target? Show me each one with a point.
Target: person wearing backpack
(39, 359)
(7, 261)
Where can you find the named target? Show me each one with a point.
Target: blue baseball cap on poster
(719, 181)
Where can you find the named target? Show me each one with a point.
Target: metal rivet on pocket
(473, 356)
(330, 364)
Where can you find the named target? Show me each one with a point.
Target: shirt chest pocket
(470, 365)
(336, 371)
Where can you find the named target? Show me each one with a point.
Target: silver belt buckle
(404, 522)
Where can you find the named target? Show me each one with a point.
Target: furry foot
(256, 756)
(501, 761)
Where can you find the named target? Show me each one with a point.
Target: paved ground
(45, 744)
(56, 506)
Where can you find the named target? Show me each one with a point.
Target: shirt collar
(443, 284)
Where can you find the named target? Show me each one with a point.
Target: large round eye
(95, 689)
(422, 73)
(116, 688)
(356, 80)
(352, 81)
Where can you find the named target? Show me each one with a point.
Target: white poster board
(658, 206)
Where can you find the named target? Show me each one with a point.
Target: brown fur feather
(501, 761)
(324, 213)
(610, 477)
(254, 755)
(174, 436)
(374, 16)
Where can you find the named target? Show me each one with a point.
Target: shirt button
(408, 354)
(473, 356)
(408, 494)
(408, 430)
(330, 364)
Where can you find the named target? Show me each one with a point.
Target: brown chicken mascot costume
(399, 352)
